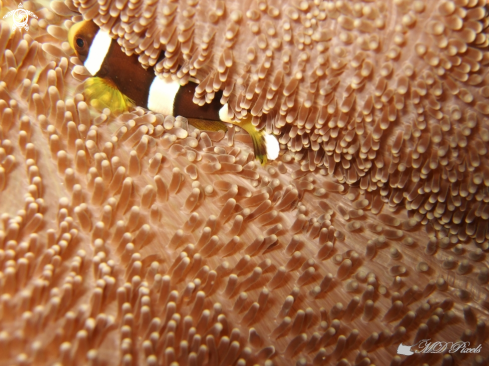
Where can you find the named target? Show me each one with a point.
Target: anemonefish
(119, 82)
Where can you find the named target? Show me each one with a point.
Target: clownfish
(119, 82)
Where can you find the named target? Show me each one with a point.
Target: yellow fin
(258, 138)
(206, 125)
(102, 93)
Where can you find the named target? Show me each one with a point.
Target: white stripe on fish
(162, 95)
(98, 51)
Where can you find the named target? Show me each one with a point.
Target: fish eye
(79, 42)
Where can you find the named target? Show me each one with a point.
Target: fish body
(119, 82)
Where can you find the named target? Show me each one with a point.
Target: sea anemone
(140, 240)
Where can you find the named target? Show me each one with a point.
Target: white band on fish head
(98, 51)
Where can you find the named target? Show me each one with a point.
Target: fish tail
(258, 138)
